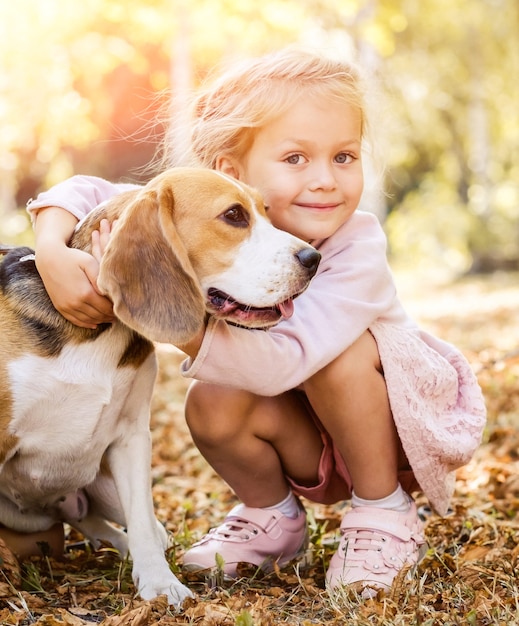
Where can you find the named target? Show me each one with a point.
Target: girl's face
(307, 165)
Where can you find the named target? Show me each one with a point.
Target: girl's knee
(353, 370)
(214, 412)
(197, 399)
(201, 406)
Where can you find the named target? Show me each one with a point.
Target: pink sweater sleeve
(352, 289)
(77, 195)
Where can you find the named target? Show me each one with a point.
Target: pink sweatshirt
(436, 401)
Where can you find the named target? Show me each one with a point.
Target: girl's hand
(69, 275)
(70, 278)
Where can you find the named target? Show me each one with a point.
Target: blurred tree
(454, 176)
(81, 83)
(81, 86)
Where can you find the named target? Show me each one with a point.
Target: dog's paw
(175, 591)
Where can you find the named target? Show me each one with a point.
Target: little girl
(346, 400)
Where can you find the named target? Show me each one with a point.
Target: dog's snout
(309, 258)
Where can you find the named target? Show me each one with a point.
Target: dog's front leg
(130, 463)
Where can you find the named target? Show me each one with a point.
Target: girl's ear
(228, 165)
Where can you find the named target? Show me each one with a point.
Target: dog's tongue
(286, 308)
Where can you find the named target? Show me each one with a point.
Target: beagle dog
(75, 403)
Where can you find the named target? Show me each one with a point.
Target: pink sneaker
(249, 535)
(376, 544)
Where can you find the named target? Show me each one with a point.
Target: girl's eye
(294, 159)
(343, 157)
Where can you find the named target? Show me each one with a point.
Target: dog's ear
(146, 272)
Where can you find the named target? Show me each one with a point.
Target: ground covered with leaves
(468, 576)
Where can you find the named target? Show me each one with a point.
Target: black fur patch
(25, 294)
(49, 331)
(137, 350)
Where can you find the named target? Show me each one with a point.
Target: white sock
(289, 506)
(396, 501)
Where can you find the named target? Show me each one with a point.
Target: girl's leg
(382, 533)
(253, 442)
(350, 397)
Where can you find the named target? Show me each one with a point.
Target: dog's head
(195, 241)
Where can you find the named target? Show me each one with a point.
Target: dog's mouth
(223, 306)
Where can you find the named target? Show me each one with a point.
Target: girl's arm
(78, 195)
(70, 275)
(352, 289)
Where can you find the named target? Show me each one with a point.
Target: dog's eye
(236, 216)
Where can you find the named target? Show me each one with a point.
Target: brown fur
(151, 275)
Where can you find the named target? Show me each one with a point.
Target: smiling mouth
(223, 306)
(319, 207)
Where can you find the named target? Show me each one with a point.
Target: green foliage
(457, 133)
(32, 580)
(82, 90)
(244, 619)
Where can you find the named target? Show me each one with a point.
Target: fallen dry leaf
(468, 576)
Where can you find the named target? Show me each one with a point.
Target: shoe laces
(362, 540)
(377, 548)
(235, 529)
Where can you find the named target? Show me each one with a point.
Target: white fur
(264, 271)
(69, 412)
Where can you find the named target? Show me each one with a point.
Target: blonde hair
(227, 111)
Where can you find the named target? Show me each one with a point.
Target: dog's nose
(309, 258)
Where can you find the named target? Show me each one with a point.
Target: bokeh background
(85, 87)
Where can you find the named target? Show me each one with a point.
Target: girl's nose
(323, 177)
